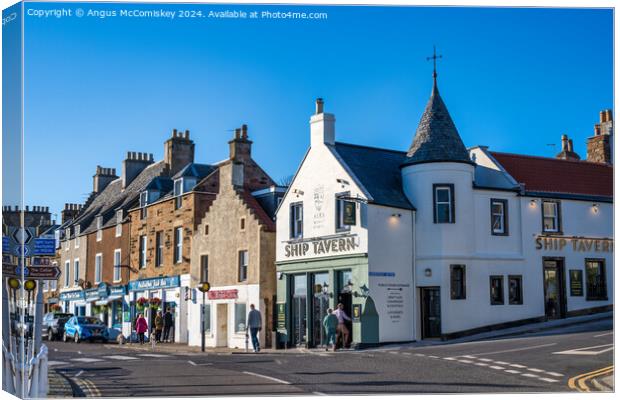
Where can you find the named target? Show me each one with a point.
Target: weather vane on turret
(434, 58)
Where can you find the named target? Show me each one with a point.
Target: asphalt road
(542, 362)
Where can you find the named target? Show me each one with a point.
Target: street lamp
(204, 288)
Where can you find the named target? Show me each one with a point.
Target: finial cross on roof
(434, 58)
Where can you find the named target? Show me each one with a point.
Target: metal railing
(26, 380)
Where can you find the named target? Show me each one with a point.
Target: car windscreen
(89, 320)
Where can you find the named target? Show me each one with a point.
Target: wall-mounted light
(343, 182)
(533, 203)
(428, 272)
(396, 215)
(595, 208)
(298, 192)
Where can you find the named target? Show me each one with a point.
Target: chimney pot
(608, 117)
(570, 145)
(27, 208)
(319, 106)
(237, 133)
(244, 131)
(564, 143)
(603, 116)
(174, 133)
(187, 134)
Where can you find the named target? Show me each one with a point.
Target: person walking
(141, 327)
(342, 330)
(254, 324)
(159, 326)
(168, 323)
(330, 323)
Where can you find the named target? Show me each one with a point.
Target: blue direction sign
(6, 245)
(17, 250)
(44, 247)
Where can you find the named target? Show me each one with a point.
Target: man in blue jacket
(254, 325)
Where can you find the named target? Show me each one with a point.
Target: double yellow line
(579, 382)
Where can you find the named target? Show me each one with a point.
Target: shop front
(73, 302)
(150, 295)
(307, 289)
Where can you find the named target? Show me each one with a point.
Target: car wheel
(64, 337)
(50, 335)
(76, 337)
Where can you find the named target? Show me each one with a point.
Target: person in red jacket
(141, 327)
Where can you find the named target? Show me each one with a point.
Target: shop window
(345, 212)
(207, 317)
(98, 267)
(142, 261)
(76, 270)
(117, 265)
(240, 317)
(204, 268)
(596, 283)
(159, 248)
(443, 203)
(243, 265)
(297, 221)
(551, 216)
(67, 279)
(178, 245)
(497, 289)
(515, 289)
(457, 282)
(499, 217)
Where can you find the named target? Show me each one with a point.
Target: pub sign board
(348, 217)
(576, 282)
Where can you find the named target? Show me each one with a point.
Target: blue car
(85, 328)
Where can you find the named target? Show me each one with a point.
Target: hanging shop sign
(91, 294)
(348, 217)
(155, 283)
(574, 243)
(118, 290)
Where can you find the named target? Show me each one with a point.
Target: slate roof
(490, 178)
(436, 138)
(161, 183)
(378, 170)
(551, 175)
(259, 211)
(195, 170)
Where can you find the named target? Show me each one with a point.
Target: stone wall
(599, 149)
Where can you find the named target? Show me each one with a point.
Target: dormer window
(144, 201)
(77, 237)
(119, 223)
(99, 227)
(178, 191)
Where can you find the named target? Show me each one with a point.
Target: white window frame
(178, 244)
(67, 237)
(555, 216)
(119, 223)
(117, 265)
(67, 273)
(178, 193)
(243, 263)
(142, 251)
(297, 223)
(76, 271)
(159, 248)
(98, 267)
(502, 216)
(99, 227)
(449, 203)
(77, 236)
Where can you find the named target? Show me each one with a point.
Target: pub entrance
(431, 312)
(299, 293)
(344, 287)
(320, 304)
(554, 288)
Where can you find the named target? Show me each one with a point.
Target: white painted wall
(390, 250)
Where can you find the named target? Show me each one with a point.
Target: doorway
(320, 304)
(431, 312)
(222, 325)
(345, 296)
(554, 288)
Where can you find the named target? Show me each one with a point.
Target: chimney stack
(102, 178)
(240, 146)
(178, 151)
(600, 147)
(567, 152)
(322, 126)
(69, 212)
(133, 165)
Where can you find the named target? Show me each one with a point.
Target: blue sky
(513, 79)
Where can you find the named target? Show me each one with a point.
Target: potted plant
(55, 308)
(141, 302)
(155, 302)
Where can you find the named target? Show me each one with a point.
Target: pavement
(578, 357)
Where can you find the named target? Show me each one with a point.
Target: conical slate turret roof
(436, 138)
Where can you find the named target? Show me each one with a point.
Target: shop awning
(115, 297)
(101, 302)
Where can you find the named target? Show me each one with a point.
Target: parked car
(85, 328)
(54, 324)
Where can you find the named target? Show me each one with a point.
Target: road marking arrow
(585, 351)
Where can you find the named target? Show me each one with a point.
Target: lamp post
(204, 288)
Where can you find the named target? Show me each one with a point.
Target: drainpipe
(413, 279)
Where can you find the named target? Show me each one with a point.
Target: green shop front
(307, 288)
